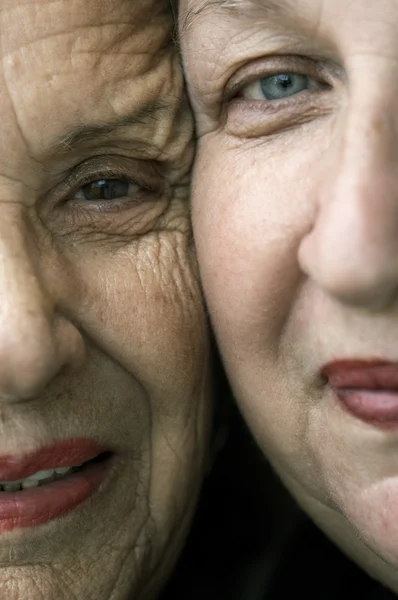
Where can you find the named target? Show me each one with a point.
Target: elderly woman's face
(295, 208)
(103, 345)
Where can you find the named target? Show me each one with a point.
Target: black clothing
(250, 541)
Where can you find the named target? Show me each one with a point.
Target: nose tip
(36, 340)
(351, 251)
(34, 353)
(348, 275)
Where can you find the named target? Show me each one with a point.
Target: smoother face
(296, 220)
(103, 345)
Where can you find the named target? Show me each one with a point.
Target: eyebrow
(93, 131)
(269, 9)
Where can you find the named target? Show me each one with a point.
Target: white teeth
(41, 475)
(39, 478)
(62, 470)
(27, 484)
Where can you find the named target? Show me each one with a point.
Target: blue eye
(105, 189)
(278, 87)
(284, 85)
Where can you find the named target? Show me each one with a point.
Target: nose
(36, 343)
(351, 251)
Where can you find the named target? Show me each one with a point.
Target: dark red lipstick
(46, 500)
(366, 388)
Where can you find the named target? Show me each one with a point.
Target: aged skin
(296, 222)
(103, 338)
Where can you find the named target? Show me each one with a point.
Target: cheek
(141, 306)
(250, 212)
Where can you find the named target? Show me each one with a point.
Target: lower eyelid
(253, 119)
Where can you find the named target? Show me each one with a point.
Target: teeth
(26, 484)
(41, 475)
(11, 487)
(39, 478)
(62, 470)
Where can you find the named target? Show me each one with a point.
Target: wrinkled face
(296, 220)
(103, 342)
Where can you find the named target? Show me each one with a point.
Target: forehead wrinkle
(269, 9)
(94, 131)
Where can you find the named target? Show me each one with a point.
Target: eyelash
(294, 65)
(76, 181)
(143, 188)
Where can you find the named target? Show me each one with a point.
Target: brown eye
(107, 189)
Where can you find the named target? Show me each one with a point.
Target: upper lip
(362, 374)
(65, 453)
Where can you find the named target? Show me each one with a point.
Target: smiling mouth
(47, 476)
(50, 482)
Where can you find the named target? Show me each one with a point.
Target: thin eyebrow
(269, 9)
(93, 131)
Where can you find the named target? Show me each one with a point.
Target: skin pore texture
(103, 335)
(295, 217)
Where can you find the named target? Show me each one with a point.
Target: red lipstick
(366, 388)
(32, 507)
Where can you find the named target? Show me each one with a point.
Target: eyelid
(96, 170)
(272, 65)
(141, 173)
(79, 195)
(101, 175)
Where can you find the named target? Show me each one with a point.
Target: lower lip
(36, 506)
(372, 406)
